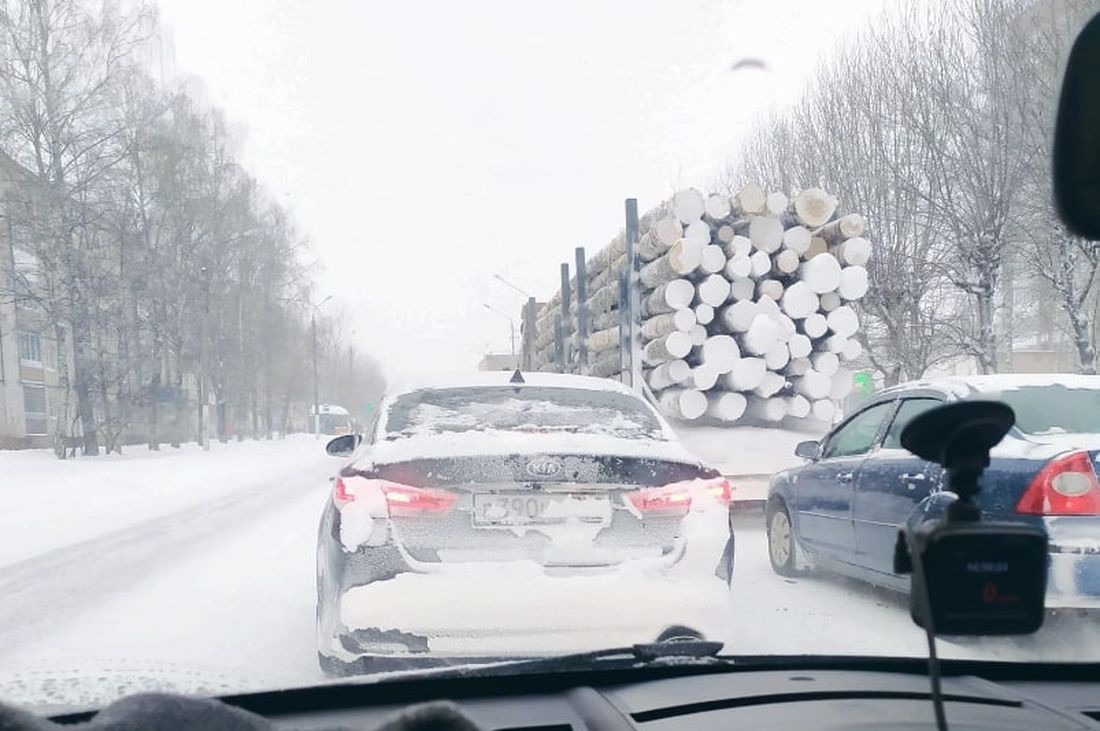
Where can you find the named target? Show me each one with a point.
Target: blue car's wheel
(782, 548)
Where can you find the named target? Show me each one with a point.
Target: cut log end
(775, 204)
(704, 314)
(714, 290)
(726, 406)
(746, 374)
(798, 406)
(853, 283)
(799, 301)
(683, 403)
(767, 409)
(843, 321)
(688, 205)
(698, 233)
(855, 252)
(766, 233)
(814, 207)
(720, 353)
(787, 261)
(830, 301)
(800, 346)
(717, 207)
(749, 199)
(738, 267)
(770, 288)
(821, 273)
(713, 259)
(669, 230)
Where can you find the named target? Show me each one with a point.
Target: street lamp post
(506, 283)
(316, 395)
(529, 297)
(511, 324)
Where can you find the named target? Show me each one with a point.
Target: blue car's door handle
(906, 477)
(844, 476)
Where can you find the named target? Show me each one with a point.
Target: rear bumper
(428, 544)
(1074, 578)
(1074, 561)
(580, 557)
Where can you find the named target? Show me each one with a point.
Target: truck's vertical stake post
(529, 335)
(631, 343)
(582, 312)
(566, 322)
(624, 327)
(559, 344)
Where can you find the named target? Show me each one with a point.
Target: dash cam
(970, 577)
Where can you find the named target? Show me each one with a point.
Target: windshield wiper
(677, 651)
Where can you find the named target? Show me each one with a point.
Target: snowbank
(46, 503)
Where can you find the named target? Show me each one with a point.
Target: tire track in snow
(54, 588)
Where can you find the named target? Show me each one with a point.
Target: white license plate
(528, 509)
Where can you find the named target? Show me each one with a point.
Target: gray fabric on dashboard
(162, 711)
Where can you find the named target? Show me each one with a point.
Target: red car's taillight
(672, 499)
(340, 494)
(403, 500)
(1066, 485)
(721, 490)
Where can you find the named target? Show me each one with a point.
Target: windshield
(631, 257)
(527, 409)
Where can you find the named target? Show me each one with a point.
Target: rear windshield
(1054, 409)
(520, 409)
(595, 469)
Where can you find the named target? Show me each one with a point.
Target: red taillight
(340, 494)
(1066, 485)
(403, 500)
(669, 499)
(721, 490)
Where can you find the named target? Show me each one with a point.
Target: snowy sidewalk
(47, 503)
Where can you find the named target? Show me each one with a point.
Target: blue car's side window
(858, 434)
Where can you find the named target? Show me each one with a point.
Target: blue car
(841, 510)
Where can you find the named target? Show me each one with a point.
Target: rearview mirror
(343, 445)
(808, 450)
(1077, 137)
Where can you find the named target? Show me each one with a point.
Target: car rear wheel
(781, 542)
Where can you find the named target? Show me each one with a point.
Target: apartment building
(31, 400)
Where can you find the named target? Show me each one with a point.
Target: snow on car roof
(963, 386)
(503, 378)
(1009, 381)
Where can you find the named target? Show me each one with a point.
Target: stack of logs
(745, 306)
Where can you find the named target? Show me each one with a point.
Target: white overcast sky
(425, 146)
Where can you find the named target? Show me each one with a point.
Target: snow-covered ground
(46, 503)
(219, 595)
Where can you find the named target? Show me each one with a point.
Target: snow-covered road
(221, 595)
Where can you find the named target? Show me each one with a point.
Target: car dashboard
(773, 699)
(808, 696)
